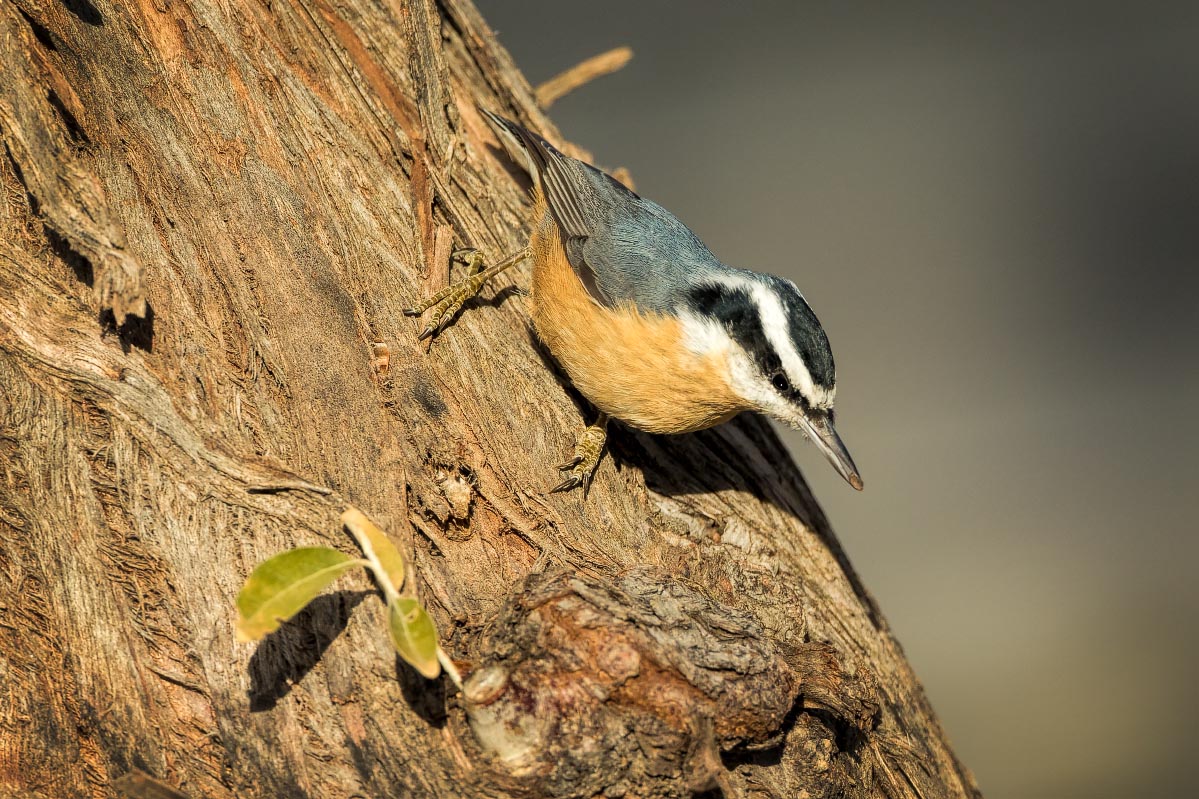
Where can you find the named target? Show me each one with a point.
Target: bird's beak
(819, 428)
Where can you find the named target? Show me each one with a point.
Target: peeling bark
(212, 217)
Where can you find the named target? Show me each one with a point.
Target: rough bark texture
(212, 216)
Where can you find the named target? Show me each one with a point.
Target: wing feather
(623, 247)
(545, 163)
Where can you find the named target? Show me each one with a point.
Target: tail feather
(509, 134)
(556, 173)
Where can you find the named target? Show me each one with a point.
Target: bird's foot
(580, 469)
(445, 304)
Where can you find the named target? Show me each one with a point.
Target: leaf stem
(390, 592)
(448, 666)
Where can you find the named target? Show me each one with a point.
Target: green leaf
(375, 543)
(414, 636)
(279, 588)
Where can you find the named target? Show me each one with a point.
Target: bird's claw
(469, 255)
(446, 303)
(580, 469)
(570, 482)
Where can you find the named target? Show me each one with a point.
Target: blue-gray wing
(641, 253)
(625, 249)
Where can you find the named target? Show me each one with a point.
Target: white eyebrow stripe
(778, 333)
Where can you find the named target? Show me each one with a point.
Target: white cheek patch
(704, 336)
(748, 383)
(707, 337)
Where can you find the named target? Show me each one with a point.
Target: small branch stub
(581, 74)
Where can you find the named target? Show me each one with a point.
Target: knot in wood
(625, 686)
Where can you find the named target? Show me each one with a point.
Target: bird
(651, 327)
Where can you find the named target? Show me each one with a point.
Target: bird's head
(777, 354)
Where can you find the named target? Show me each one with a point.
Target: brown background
(995, 215)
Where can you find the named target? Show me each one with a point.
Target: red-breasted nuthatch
(651, 328)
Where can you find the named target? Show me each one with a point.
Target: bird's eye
(779, 380)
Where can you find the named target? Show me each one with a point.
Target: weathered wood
(212, 218)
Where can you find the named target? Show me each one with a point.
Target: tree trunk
(212, 217)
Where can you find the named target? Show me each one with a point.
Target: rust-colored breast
(631, 365)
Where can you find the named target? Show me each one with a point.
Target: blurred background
(995, 213)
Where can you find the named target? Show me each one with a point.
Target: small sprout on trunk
(279, 588)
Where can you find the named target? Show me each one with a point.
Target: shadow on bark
(425, 697)
(285, 656)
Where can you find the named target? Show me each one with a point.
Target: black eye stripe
(736, 311)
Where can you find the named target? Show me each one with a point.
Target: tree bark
(212, 218)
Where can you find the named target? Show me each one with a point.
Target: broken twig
(585, 72)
